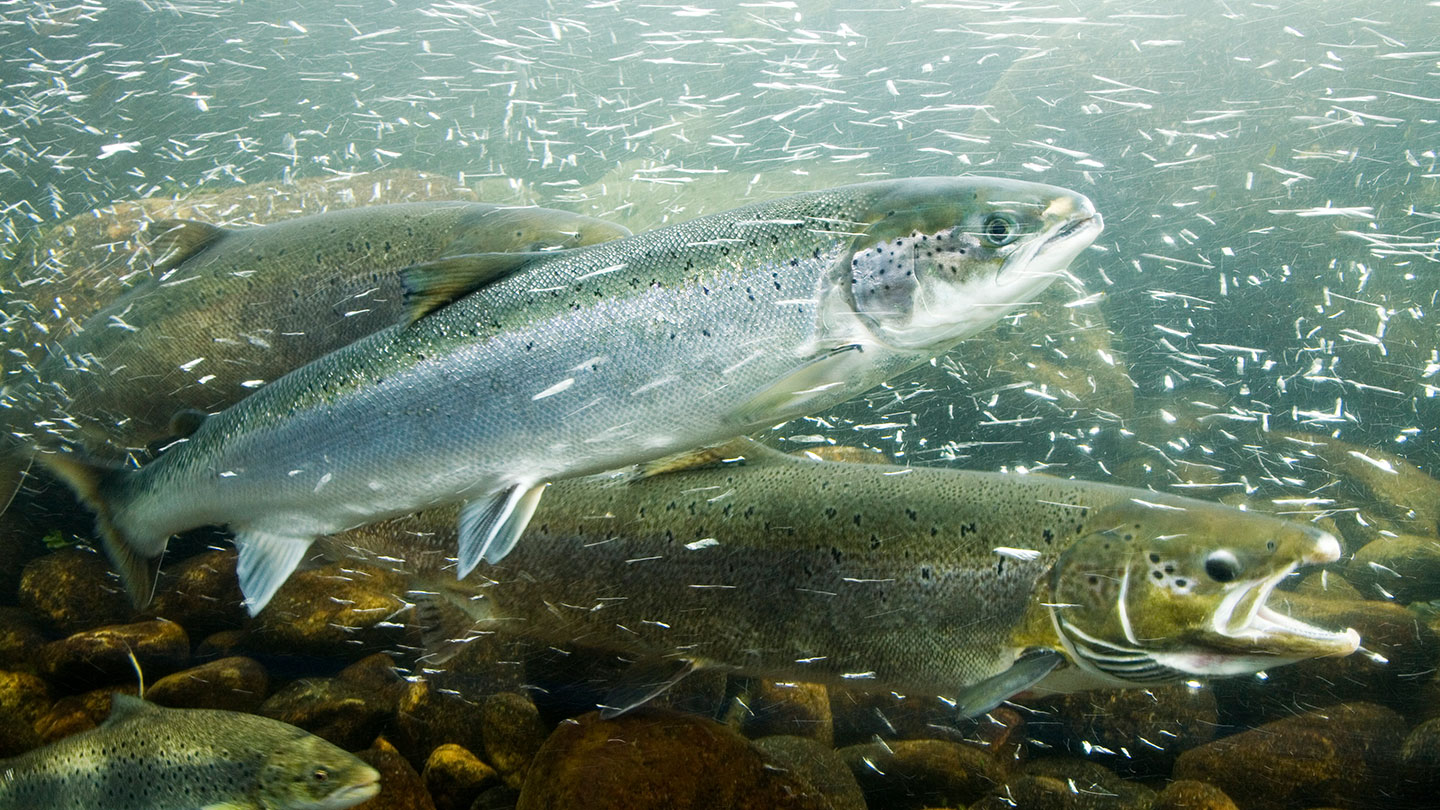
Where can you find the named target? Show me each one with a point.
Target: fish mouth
(1246, 624)
(350, 795)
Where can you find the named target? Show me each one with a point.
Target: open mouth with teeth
(1245, 623)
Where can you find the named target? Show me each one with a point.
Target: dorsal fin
(126, 707)
(751, 451)
(176, 240)
(432, 285)
(186, 421)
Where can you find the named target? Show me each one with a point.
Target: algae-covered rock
(73, 590)
(340, 711)
(1144, 728)
(339, 610)
(201, 593)
(427, 718)
(652, 759)
(455, 777)
(860, 716)
(1187, 794)
(236, 684)
(77, 713)
(24, 699)
(817, 765)
(104, 655)
(512, 734)
(800, 709)
(20, 639)
(1063, 783)
(1341, 756)
(1420, 760)
(401, 787)
(1405, 568)
(922, 773)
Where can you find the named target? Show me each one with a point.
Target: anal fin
(1028, 670)
(266, 561)
(644, 682)
(490, 528)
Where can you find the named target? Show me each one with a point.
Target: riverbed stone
(1067, 783)
(235, 684)
(1341, 756)
(24, 699)
(912, 774)
(401, 787)
(1144, 729)
(653, 759)
(455, 777)
(512, 734)
(1187, 794)
(201, 593)
(1405, 568)
(800, 709)
(73, 590)
(427, 718)
(20, 639)
(77, 713)
(103, 655)
(815, 764)
(341, 611)
(340, 711)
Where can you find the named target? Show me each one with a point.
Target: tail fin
(95, 484)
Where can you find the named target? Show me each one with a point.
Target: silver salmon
(593, 359)
(147, 758)
(228, 309)
(922, 579)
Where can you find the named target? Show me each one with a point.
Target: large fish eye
(320, 775)
(1222, 566)
(1000, 229)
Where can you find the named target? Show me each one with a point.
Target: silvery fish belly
(145, 757)
(930, 580)
(596, 358)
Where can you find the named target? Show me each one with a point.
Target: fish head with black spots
(308, 773)
(1171, 589)
(939, 259)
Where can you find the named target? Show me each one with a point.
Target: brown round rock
(339, 711)
(236, 684)
(20, 639)
(77, 713)
(651, 758)
(921, 773)
(73, 590)
(201, 593)
(456, 778)
(1146, 728)
(102, 656)
(512, 734)
(401, 788)
(799, 709)
(24, 699)
(1067, 783)
(815, 764)
(426, 718)
(1343, 755)
(338, 610)
(1187, 794)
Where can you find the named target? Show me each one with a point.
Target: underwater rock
(1341, 755)
(1146, 729)
(497, 798)
(378, 673)
(24, 699)
(512, 734)
(20, 639)
(455, 778)
(77, 713)
(1065, 783)
(651, 758)
(427, 718)
(1187, 794)
(201, 593)
(338, 610)
(340, 711)
(236, 684)
(817, 765)
(1397, 650)
(1004, 733)
(73, 590)
(1420, 759)
(1400, 489)
(401, 787)
(103, 655)
(922, 773)
(1405, 568)
(799, 709)
(859, 717)
(222, 644)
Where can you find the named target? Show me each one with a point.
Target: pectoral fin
(1027, 671)
(177, 240)
(490, 528)
(432, 285)
(266, 561)
(794, 393)
(643, 683)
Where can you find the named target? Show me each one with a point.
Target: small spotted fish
(145, 757)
